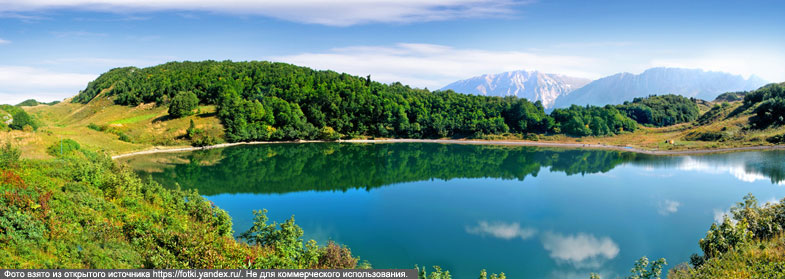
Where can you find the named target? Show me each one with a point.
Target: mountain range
(532, 85)
(556, 91)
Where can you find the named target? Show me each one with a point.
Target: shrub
(769, 112)
(92, 126)
(336, 256)
(9, 155)
(327, 133)
(776, 139)
(183, 104)
(124, 137)
(63, 147)
(22, 119)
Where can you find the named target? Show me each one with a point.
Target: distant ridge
(532, 85)
(616, 89)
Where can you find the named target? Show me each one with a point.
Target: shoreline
(473, 142)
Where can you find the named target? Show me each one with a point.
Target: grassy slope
(146, 125)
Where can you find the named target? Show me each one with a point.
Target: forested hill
(277, 101)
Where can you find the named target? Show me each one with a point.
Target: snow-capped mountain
(532, 85)
(616, 89)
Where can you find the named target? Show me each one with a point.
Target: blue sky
(49, 50)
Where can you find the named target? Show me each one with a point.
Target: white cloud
(598, 44)
(719, 215)
(667, 207)
(20, 83)
(581, 250)
(434, 66)
(3, 42)
(501, 230)
(335, 13)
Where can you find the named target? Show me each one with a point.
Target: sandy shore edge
(476, 142)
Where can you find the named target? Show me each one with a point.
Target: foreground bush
(82, 210)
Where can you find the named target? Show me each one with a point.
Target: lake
(529, 212)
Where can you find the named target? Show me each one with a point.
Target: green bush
(22, 119)
(183, 104)
(92, 126)
(63, 147)
(327, 133)
(777, 139)
(9, 155)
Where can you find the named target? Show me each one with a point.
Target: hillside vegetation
(82, 210)
(276, 101)
(130, 109)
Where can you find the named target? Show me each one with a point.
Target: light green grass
(133, 119)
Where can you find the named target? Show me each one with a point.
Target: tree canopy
(662, 110)
(278, 101)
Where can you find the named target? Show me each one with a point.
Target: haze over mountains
(557, 91)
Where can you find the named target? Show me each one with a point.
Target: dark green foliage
(662, 110)
(731, 96)
(92, 126)
(277, 101)
(770, 91)
(769, 105)
(183, 104)
(777, 139)
(769, 112)
(124, 137)
(63, 147)
(22, 119)
(592, 121)
(28, 103)
(9, 155)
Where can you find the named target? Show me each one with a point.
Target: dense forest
(662, 110)
(277, 101)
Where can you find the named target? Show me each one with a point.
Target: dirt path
(485, 142)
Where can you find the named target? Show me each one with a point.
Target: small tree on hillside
(22, 119)
(183, 104)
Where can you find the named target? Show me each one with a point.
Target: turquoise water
(528, 212)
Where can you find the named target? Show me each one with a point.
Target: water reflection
(280, 168)
(530, 212)
(581, 250)
(501, 230)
